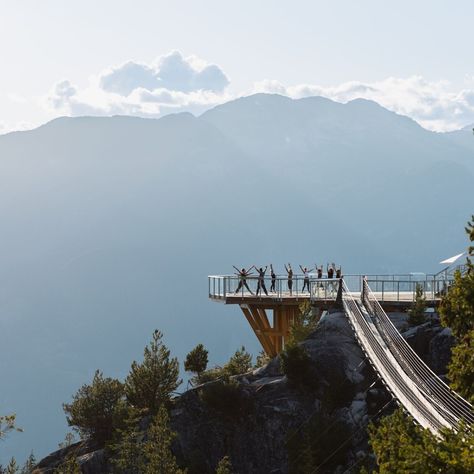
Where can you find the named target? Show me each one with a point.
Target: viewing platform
(271, 315)
(390, 290)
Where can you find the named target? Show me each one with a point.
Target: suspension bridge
(364, 300)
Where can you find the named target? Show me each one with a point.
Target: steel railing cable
(361, 427)
(429, 382)
(412, 369)
(396, 381)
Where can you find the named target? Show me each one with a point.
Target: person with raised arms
(243, 274)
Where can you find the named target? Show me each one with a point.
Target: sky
(152, 57)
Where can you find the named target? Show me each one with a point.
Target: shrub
(96, 409)
(210, 375)
(226, 399)
(297, 366)
(150, 384)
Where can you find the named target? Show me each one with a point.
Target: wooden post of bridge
(273, 336)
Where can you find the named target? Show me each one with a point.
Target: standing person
(261, 280)
(331, 276)
(305, 278)
(289, 270)
(243, 274)
(320, 271)
(330, 270)
(339, 272)
(272, 274)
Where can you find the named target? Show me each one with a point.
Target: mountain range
(110, 227)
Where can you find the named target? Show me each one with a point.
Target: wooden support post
(261, 319)
(256, 329)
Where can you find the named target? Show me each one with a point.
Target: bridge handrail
(452, 404)
(404, 389)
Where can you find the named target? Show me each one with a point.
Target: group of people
(331, 272)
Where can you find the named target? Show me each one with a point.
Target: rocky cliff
(264, 424)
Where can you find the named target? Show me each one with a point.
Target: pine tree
(29, 465)
(157, 447)
(262, 359)
(127, 451)
(457, 312)
(239, 363)
(402, 446)
(224, 466)
(150, 383)
(96, 409)
(416, 315)
(69, 466)
(196, 361)
(12, 467)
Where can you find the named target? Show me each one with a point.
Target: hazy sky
(149, 57)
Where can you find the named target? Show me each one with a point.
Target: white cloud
(174, 83)
(434, 105)
(171, 83)
(172, 72)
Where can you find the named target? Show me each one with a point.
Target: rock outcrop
(261, 422)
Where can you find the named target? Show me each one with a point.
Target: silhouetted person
(339, 272)
(272, 274)
(331, 275)
(243, 274)
(320, 271)
(289, 270)
(305, 278)
(261, 280)
(330, 271)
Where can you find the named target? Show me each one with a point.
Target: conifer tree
(416, 314)
(69, 466)
(196, 361)
(239, 363)
(457, 312)
(29, 465)
(150, 383)
(157, 447)
(97, 408)
(12, 467)
(127, 451)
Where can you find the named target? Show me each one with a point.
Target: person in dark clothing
(330, 276)
(330, 270)
(339, 272)
(261, 280)
(272, 274)
(289, 270)
(305, 278)
(320, 271)
(243, 274)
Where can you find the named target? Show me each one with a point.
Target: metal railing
(389, 288)
(224, 286)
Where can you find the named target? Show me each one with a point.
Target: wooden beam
(262, 324)
(254, 325)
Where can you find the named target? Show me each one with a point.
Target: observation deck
(393, 293)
